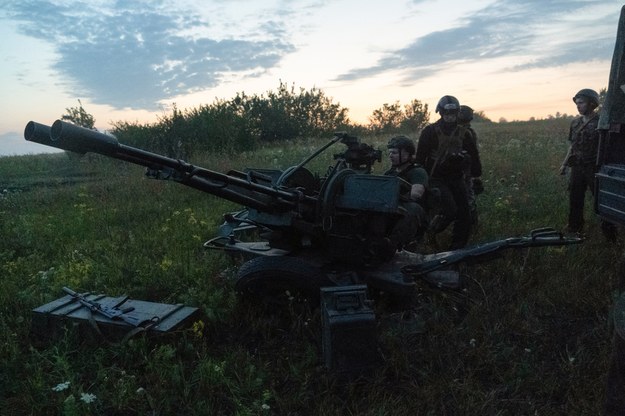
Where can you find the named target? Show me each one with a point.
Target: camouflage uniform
(412, 225)
(449, 179)
(584, 139)
(413, 174)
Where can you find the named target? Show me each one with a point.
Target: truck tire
(279, 280)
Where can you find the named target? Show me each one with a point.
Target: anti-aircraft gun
(314, 231)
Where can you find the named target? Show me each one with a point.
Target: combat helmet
(589, 94)
(402, 143)
(465, 114)
(447, 102)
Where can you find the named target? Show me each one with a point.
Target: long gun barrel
(238, 189)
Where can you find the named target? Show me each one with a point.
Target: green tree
(480, 117)
(387, 119)
(416, 116)
(287, 114)
(79, 116)
(392, 118)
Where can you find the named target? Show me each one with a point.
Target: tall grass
(530, 337)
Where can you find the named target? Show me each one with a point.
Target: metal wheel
(280, 280)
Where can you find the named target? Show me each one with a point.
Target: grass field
(535, 339)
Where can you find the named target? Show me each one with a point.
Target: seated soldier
(401, 154)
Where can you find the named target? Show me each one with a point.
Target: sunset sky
(131, 60)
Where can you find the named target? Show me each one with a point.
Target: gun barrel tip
(28, 130)
(36, 132)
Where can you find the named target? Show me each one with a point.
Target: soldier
(474, 172)
(581, 157)
(445, 150)
(401, 151)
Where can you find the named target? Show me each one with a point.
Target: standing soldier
(445, 150)
(474, 172)
(581, 157)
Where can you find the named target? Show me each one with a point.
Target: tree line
(246, 122)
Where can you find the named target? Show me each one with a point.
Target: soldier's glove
(478, 186)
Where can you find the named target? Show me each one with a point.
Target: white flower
(61, 386)
(472, 342)
(87, 397)
(265, 406)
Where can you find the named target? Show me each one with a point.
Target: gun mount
(315, 231)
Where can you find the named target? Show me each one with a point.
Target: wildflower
(265, 406)
(61, 386)
(166, 264)
(472, 342)
(198, 328)
(87, 397)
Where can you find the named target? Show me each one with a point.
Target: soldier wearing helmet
(581, 157)
(445, 149)
(401, 151)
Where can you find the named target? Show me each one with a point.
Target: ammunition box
(157, 318)
(349, 338)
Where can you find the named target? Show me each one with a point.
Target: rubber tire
(267, 279)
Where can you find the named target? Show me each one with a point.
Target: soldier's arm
(416, 191)
(419, 180)
(469, 144)
(423, 146)
(565, 162)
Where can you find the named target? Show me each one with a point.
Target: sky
(132, 60)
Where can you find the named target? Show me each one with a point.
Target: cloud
(505, 28)
(136, 54)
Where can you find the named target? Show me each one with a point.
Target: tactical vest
(449, 157)
(402, 173)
